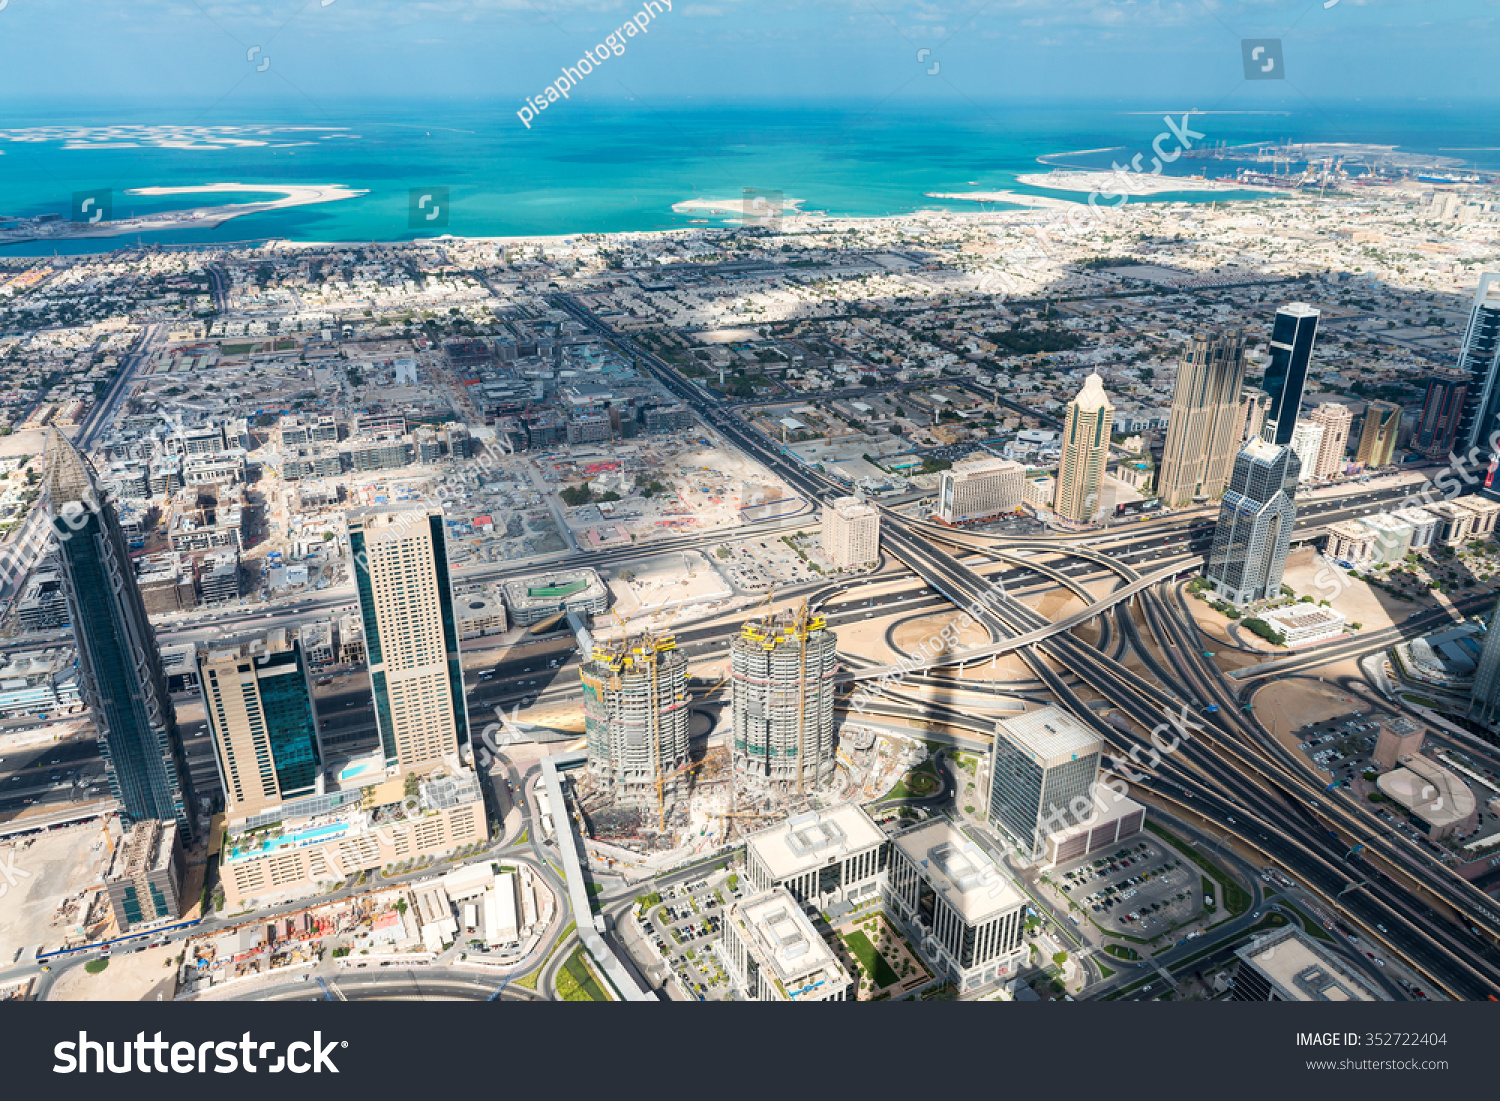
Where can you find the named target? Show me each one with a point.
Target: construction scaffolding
(781, 675)
(636, 720)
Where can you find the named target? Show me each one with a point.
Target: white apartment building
(851, 533)
(978, 487)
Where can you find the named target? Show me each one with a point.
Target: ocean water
(585, 168)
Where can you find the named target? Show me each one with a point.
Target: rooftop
(779, 933)
(973, 884)
(1428, 790)
(1300, 971)
(811, 840)
(1050, 735)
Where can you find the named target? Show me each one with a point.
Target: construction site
(651, 787)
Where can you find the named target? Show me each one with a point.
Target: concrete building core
(635, 707)
(781, 674)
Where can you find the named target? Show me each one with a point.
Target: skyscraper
(1085, 451)
(1204, 429)
(119, 665)
(1377, 439)
(1254, 405)
(1484, 700)
(781, 675)
(411, 636)
(1479, 359)
(1043, 761)
(1442, 410)
(1307, 443)
(1255, 525)
(635, 713)
(1292, 335)
(260, 708)
(1335, 420)
(851, 533)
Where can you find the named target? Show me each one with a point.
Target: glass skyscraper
(120, 668)
(411, 633)
(1044, 762)
(1256, 519)
(259, 703)
(1479, 360)
(1292, 335)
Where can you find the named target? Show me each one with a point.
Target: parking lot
(757, 564)
(685, 928)
(1141, 889)
(1340, 747)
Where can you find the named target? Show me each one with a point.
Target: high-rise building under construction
(781, 670)
(635, 708)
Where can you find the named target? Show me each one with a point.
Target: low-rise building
(1485, 513)
(828, 858)
(1287, 965)
(1122, 818)
(540, 596)
(1349, 541)
(480, 613)
(1439, 802)
(773, 953)
(1302, 624)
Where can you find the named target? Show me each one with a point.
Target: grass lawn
(1236, 899)
(576, 983)
(871, 962)
(1122, 951)
(93, 967)
(1104, 972)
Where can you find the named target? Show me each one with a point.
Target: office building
(530, 600)
(773, 953)
(781, 677)
(979, 487)
(1287, 965)
(144, 881)
(123, 682)
(1484, 701)
(1292, 336)
(259, 702)
(1483, 514)
(1256, 520)
(851, 533)
(1254, 405)
(1442, 411)
(1479, 361)
(1116, 819)
(1307, 442)
(1043, 762)
(1085, 453)
(1377, 439)
(635, 713)
(828, 859)
(1399, 737)
(1335, 420)
(958, 907)
(1204, 430)
(411, 633)
(1349, 541)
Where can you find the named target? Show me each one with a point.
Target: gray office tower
(1292, 335)
(1256, 519)
(1042, 776)
(119, 665)
(1479, 359)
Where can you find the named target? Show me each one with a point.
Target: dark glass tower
(1292, 335)
(1480, 361)
(118, 662)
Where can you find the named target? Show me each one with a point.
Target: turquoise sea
(585, 168)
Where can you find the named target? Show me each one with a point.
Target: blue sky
(121, 53)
